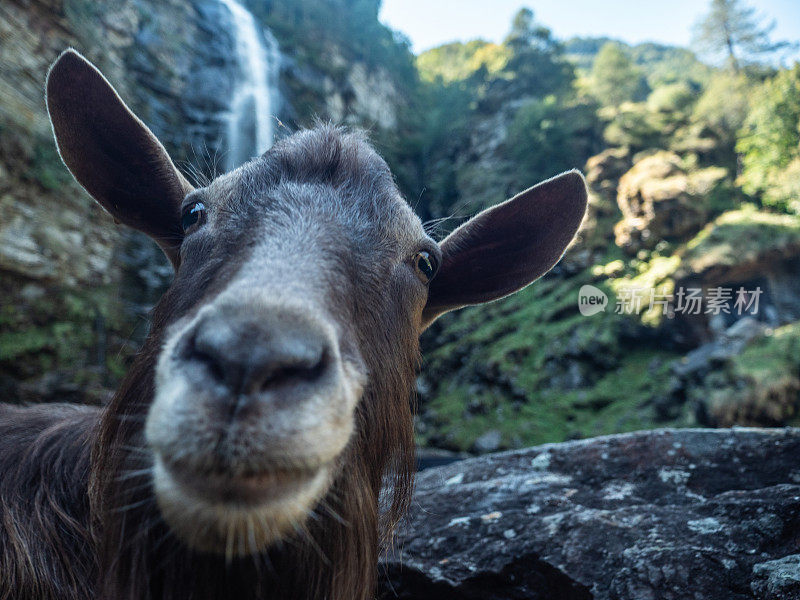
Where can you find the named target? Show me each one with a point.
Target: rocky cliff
(665, 514)
(75, 287)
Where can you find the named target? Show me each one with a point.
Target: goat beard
(333, 555)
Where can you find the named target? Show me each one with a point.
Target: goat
(261, 445)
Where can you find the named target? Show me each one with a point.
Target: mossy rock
(742, 239)
(54, 339)
(763, 383)
(661, 199)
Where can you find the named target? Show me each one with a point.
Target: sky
(429, 23)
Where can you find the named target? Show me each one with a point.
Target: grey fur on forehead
(329, 155)
(332, 157)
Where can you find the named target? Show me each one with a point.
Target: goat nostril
(216, 370)
(302, 367)
(201, 349)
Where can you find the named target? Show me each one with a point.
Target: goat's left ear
(507, 246)
(112, 154)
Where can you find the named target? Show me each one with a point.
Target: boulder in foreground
(666, 514)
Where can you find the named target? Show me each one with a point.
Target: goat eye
(193, 214)
(425, 265)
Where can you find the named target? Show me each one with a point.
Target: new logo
(591, 300)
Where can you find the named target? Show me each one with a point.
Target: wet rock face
(778, 578)
(668, 514)
(345, 91)
(181, 70)
(64, 266)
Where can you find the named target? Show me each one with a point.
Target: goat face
(303, 280)
(292, 264)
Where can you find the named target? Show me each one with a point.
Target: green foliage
(547, 136)
(533, 368)
(443, 123)
(719, 114)
(614, 78)
(529, 366)
(313, 28)
(461, 83)
(669, 64)
(773, 356)
(529, 63)
(660, 64)
(674, 99)
(721, 242)
(460, 61)
(761, 386)
(770, 143)
(582, 51)
(670, 107)
(632, 126)
(660, 122)
(14, 344)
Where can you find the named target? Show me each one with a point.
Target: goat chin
(242, 519)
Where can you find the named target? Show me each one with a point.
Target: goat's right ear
(112, 154)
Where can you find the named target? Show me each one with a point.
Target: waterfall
(251, 122)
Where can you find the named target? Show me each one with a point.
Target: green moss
(14, 344)
(536, 370)
(771, 357)
(721, 241)
(64, 330)
(645, 277)
(760, 386)
(619, 401)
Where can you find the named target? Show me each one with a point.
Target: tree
(770, 143)
(724, 104)
(615, 79)
(718, 116)
(537, 62)
(735, 30)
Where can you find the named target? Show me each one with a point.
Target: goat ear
(112, 154)
(507, 246)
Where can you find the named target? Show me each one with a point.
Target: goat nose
(251, 355)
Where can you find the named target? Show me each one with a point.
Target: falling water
(255, 98)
